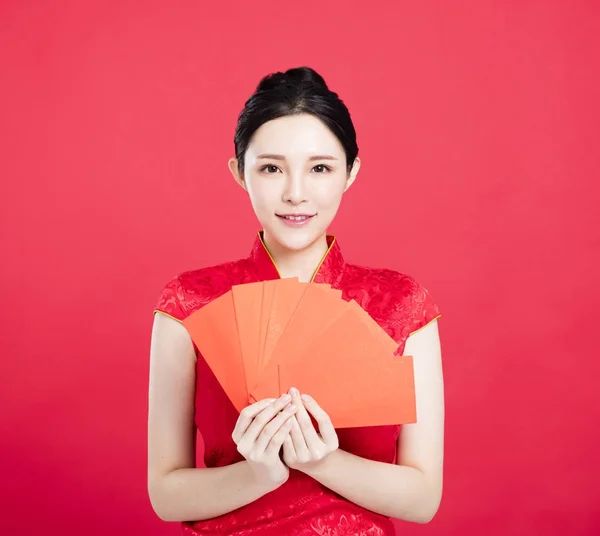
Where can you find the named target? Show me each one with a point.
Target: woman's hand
(304, 449)
(259, 433)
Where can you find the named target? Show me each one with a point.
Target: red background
(478, 130)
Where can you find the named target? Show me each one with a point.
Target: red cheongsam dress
(302, 506)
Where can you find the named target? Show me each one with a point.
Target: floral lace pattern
(302, 506)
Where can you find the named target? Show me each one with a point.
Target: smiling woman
(268, 469)
(294, 170)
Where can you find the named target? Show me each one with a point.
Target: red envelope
(259, 339)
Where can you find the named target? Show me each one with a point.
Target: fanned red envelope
(262, 338)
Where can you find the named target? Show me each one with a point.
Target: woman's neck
(302, 263)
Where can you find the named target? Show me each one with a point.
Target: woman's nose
(295, 190)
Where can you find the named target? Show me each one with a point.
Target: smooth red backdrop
(478, 130)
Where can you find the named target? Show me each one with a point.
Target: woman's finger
(326, 428)
(271, 429)
(298, 441)
(279, 439)
(246, 416)
(313, 441)
(289, 452)
(263, 418)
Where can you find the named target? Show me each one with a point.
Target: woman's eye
(321, 168)
(270, 168)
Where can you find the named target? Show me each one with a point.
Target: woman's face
(295, 174)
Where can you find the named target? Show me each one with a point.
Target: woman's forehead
(300, 135)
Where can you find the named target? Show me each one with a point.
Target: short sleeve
(170, 300)
(424, 309)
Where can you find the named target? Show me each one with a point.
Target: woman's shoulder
(393, 295)
(393, 281)
(192, 289)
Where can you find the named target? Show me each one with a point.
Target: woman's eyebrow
(281, 157)
(323, 157)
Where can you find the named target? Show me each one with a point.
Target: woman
(268, 471)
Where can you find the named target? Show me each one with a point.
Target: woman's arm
(412, 489)
(178, 490)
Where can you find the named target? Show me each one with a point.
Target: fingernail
(294, 391)
(305, 397)
(291, 408)
(286, 397)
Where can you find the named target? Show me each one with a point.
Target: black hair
(295, 91)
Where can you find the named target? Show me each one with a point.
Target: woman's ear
(353, 173)
(235, 171)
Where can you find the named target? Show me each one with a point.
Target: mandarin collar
(329, 271)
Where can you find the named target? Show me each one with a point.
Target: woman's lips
(295, 220)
